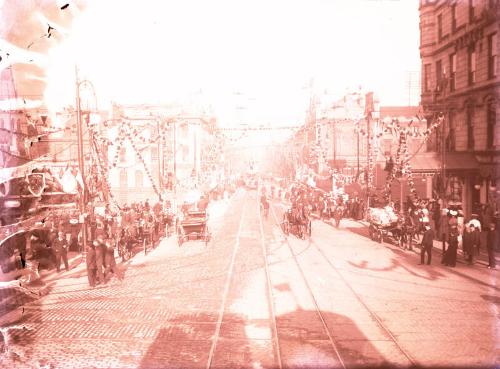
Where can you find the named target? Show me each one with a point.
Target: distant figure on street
(100, 252)
(111, 262)
(91, 263)
(60, 246)
(443, 228)
(339, 212)
(426, 244)
(450, 258)
(491, 244)
(474, 241)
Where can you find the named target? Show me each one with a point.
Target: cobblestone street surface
(254, 298)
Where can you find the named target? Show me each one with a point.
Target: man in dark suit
(60, 246)
(491, 244)
(91, 264)
(426, 244)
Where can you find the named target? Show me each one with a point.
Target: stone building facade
(460, 79)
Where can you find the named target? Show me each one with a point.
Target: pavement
(255, 298)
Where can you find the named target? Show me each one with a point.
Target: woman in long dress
(451, 252)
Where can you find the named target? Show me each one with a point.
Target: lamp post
(81, 164)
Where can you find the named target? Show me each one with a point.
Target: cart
(291, 224)
(380, 232)
(384, 225)
(193, 227)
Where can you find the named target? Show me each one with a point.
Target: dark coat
(428, 238)
(491, 239)
(60, 246)
(91, 258)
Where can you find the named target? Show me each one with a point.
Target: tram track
(225, 294)
(373, 314)
(270, 297)
(331, 339)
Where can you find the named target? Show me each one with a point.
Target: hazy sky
(252, 60)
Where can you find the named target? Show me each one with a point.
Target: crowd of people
(419, 222)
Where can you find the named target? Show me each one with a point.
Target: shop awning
(425, 163)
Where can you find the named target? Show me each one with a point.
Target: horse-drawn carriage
(193, 227)
(385, 224)
(297, 220)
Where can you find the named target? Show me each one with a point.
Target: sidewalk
(482, 259)
(14, 294)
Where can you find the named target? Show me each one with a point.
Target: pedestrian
(60, 246)
(91, 263)
(111, 266)
(450, 258)
(426, 244)
(474, 243)
(491, 244)
(339, 212)
(100, 252)
(443, 228)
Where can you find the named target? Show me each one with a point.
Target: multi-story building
(167, 142)
(460, 79)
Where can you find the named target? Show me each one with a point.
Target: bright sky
(265, 51)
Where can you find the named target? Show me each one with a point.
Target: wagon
(299, 227)
(380, 232)
(193, 227)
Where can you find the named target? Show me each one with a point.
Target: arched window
(469, 121)
(491, 120)
(123, 178)
(139, 179)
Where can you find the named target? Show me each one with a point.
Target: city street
(254, 298)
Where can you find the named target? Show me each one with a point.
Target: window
(470, 126)
(154, 152)
(440, 26)
(492, 55)
(439, 75)
(471, 11)
(123, 178)
(491, 119)
(123, 155)
(453, 71)
(427, 76)
(453, 17)
(139, 179)
(472, 65)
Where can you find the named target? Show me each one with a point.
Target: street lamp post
(81, 166)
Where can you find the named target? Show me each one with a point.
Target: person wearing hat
(100, 253)
(491, 244)
(444, 228)
(60, 246)
(450, 258)
(471, 242)
(426, 244)
(90, 260)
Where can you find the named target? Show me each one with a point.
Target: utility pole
(175, 157)
(160, 157)
(334, 144)
(369, 108)
(81, 166)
